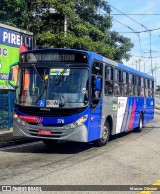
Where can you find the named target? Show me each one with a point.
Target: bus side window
(117, 82)
(152, 88)
(109, 73)
(142, 87)
(139, 85)
(146, 87)
(135, 85)
(149, 88)
(141, 82)
(108, 81)
(131, 84)
(108, 88)
(124, 84)
(97, 68)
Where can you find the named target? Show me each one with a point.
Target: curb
(16, 142)
(7, 138)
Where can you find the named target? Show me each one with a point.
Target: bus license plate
(44, 132)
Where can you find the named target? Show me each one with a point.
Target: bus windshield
(52, 87)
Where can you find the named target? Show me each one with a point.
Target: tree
(88, 25)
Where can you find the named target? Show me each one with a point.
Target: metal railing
(7, 99)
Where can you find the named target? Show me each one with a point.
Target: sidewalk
(7, 138)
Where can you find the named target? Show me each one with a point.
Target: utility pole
(52, 10)
(151, 51)
(65, 25)
(132, 64)
(140, 64)
(136, 63)
(155, 75)
(144, 68)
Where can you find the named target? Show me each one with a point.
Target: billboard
(13, 41)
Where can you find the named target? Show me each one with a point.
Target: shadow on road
(62, 147)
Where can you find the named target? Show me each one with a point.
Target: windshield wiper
(61, 76)
(43, 83)
(38, 72)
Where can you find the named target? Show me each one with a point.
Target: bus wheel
(105, 135)
(49, 142)
(140, 126)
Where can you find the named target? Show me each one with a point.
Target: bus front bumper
(79, 134)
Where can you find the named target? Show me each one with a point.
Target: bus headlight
(15, 116)
(21, 122)
(77, 123)
(82, 120)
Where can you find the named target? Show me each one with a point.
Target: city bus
(78, 95)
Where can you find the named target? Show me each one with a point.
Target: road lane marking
(157, 183)
(19, 146)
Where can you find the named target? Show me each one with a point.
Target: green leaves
(88, 25)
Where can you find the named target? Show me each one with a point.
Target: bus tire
(140, 125)
(50, 142)
(105, 135)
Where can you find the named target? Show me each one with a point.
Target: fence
(7, 99)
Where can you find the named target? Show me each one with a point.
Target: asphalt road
(128, 159)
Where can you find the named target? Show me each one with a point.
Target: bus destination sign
(54, 56)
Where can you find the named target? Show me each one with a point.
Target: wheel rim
(105, 134)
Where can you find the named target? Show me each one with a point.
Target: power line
(133, 32)
(140, 43)
(158, 67)
(129, 17)
(143, 31)
(149, 31)
(154, 14)
(147, 61)
(144, 57)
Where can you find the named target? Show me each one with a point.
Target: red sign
(44, 132)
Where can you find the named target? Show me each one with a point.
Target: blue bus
(77, 95)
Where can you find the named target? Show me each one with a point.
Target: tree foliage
(88, 25)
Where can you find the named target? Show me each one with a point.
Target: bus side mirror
(13, 74)
(98, 84)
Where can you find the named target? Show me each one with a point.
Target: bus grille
(54, 133)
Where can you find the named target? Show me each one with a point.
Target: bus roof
(124, 67)
(92, 55)
(120, 65)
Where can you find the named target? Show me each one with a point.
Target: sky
(142, 15)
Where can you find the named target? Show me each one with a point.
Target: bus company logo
(60, 120)
(52, 103)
